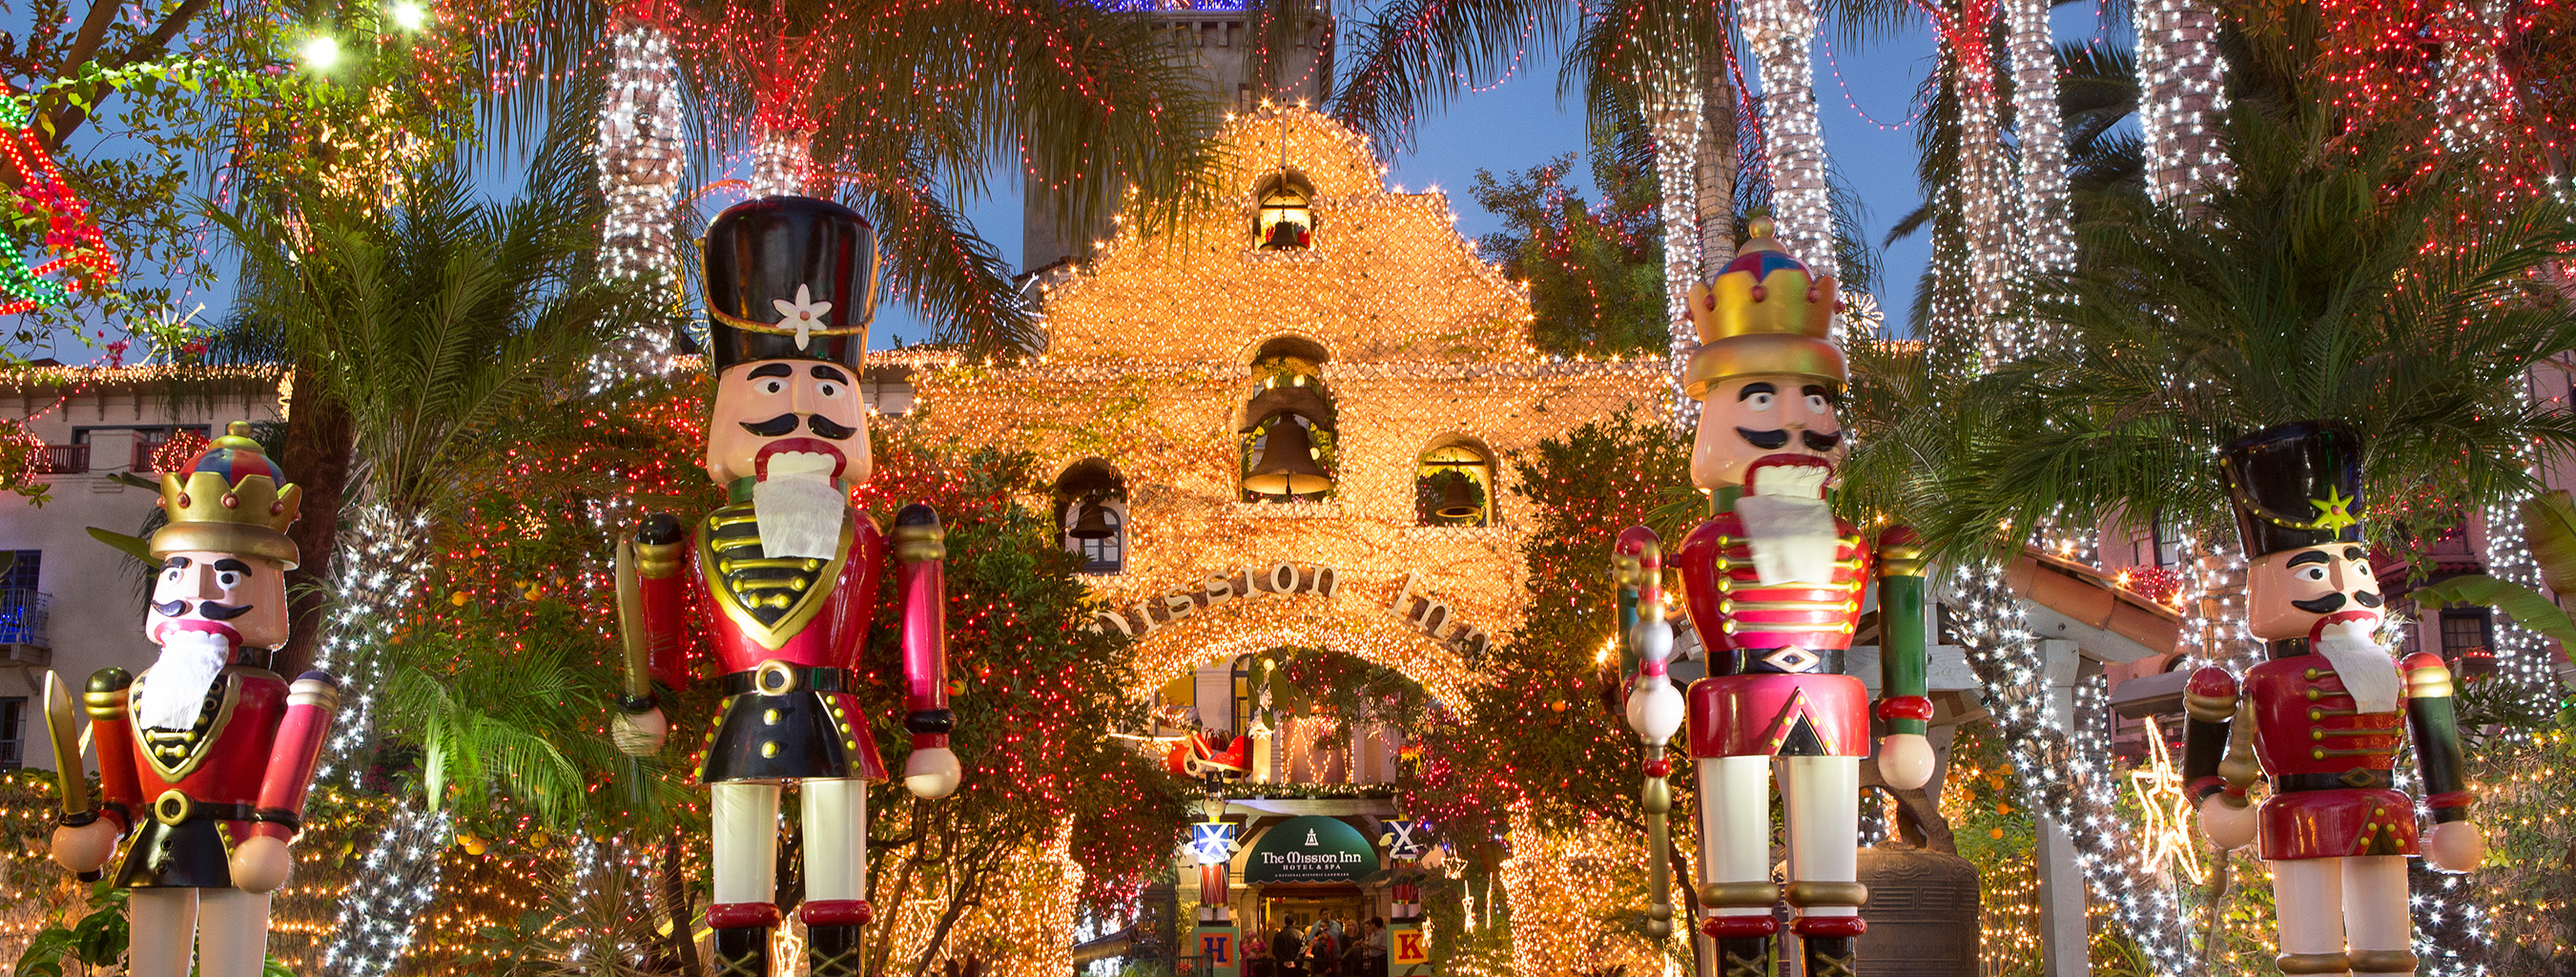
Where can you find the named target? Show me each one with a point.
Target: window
(1105, 554)
(1287, 428)
(1091, 512)
(1285, 219)
(22, 607)
(1453, 484)
(2466, 630)
(2163, 545)
(24, 566)
(13, 732)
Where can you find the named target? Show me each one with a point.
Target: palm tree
(433, 328)
(2305, 290)
(900, 109)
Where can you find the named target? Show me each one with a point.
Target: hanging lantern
(1287, 463)
(1094, 523)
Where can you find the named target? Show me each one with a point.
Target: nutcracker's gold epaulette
(659, 561)
(104, 699)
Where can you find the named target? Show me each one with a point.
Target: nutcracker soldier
(206, 758)
(786, 576)
(2323, 716)
(1774, 584)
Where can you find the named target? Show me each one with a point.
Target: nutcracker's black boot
(742, 951)
(1832, 956)
(833, 950)
(1744, 956)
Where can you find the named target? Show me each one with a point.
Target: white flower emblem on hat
(805, 313)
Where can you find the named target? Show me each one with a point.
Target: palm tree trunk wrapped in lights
(1782, 34)
(640, 163)
(2040, 126)
(2179, 77)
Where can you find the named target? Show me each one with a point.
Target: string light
(639, 163)
(1780, 33)
(2179, 76)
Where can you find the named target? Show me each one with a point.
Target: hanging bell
(1094, 523)
(1287, 464)
(1455, 503)
(1306, 402)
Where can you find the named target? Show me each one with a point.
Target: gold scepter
(64, 730)
(636, 696)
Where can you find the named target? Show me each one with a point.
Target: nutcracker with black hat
(2324, 716)
(785, 574)
(1775, 585)
(205, 758)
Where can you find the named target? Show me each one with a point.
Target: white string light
(1782, 34)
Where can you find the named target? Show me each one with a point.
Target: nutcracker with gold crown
(207, 756)
(1774, 584)
(785, 575)
(2324, 717)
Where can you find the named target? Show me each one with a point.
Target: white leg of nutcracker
(162, 911)
(2307, 897)
(232, 933)
(1821, 798)
(745, 866)
(836, 874)
(2376, 924)
(1735, 857)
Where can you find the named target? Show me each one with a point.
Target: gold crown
(227, 500)
(1766, 313)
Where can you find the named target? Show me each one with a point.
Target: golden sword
(65, 732)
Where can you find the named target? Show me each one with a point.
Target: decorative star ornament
(2167, 809)
(2334, 512)
(804, 313)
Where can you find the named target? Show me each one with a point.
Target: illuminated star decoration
(67, 227)
(2334, 512)
(805, 312)
(2167, 808)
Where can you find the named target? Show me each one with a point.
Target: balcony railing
(22, 617)
(63, 459)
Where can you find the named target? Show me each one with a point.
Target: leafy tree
(1595, 271)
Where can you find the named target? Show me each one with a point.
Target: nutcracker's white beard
(176, 686)
(799, 509)
(2364, 666)
(1789, 525)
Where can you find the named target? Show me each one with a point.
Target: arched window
(1285, 217)
(1091, 513)
(1453, 484)
(1287, 429)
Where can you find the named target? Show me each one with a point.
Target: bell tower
(1217, 38)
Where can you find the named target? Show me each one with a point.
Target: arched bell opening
(1091, 514)
(1284, 214)
(1288, 427)
(1453, 483)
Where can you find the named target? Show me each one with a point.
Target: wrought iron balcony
(23, 613)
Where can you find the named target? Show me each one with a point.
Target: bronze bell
(1455, 503)
(1287, 463)
(1094, 523)
(1306, 402)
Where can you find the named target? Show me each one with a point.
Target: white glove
(86, 848)
(260, 864)
(1905, 760)
(931, 772)
(638, 733)
(2456, 846)
(2229, 826)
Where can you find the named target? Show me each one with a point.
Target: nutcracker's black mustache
(206, 609)
(1775, 439)
(785, 424)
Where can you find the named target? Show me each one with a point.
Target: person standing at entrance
(1774, 583)
(786, 575)
(1288, 950)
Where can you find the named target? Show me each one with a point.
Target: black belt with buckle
(780, 678)
(2291, 783)
(174, 808)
